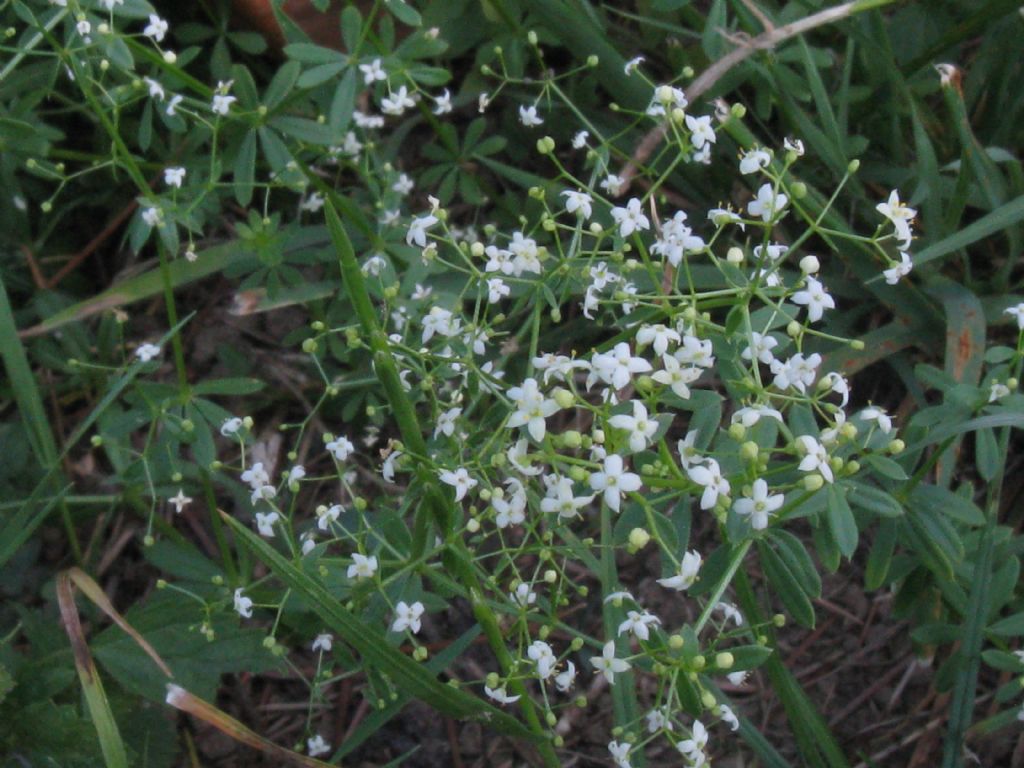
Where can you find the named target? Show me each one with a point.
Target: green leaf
(948, 503)
(320, 74)
(240, 385)
(986, 454)
(880, 557)
(1011, 626)
(282, 84)
(303, 129)
(343, 104)
(404, 12)
(1003, 217)
(406, 674)
(841, 521)
(245, 169)
(885, 466)
(308, 53)
(786, 586)
(872, 499)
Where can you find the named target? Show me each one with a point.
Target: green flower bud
(639, 538)
(896, 446)
(675, 642)
(593, 60)
(813, 482)
(724, 660)
(749, 451)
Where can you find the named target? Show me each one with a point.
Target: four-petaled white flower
(532, 408)
(689, 567)
(616, 367)
(754, 160)
(180, 501)
(900, 215)
(496, 289)
(561, 499)
(767, 204)
(658, 336)
(174, 176)
(156, 29)
(694, 746)
(759, 505)
(459, 480)
(815, 457)
(327, 515)
(701, 131)
(760, 347)
(614, 481)
(815, 298)
(372, 71)
(640, 426)
(362, 567)
(446, 422)
(323, 642)
(631, 218)
(222, 100)
(418, 230)
(443, 103)
(876, 414)
(564, 680)
(407, 617)
(709, 477)
(528, 116)
(1016, 312)
(578, 202)
(265, 523)
(676, 376)
(607, 664)
(243, 604)
(638, 623)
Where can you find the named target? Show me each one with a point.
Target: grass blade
(114, 754)
(1002, 217)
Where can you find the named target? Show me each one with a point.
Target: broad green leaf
(245, 169)
(786, 586)
(841, 521)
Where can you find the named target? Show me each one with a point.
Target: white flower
(180, 501)
(372, 72)
(640, 426)
(639, 623)
(709, 477)
(152, 216)
(793, 145)
(754, 160)
(695, 351)
(578, 202)
(528, 116)
(256, 476)
(607, 664)
(418, 230)
(84, 28)
(243, 605)
(397, 102)
(616, 367)
(676, 376)
(407, 617)
(443, 103)
(631, 218)
(600, 276)
(701, 130)
(147, 352)
(565, 679)
(897, 212)
(1016, 312)
(221, 103)
(364, 120)
(729, 717)
(109, 4)
(459, 480)
(323, 642)
(510, 510)
(751, 414)
(767, 204)
(657, 719)
(263, 493)
(896, 271)
(422, 292)
(523, 596)
(156, 90)
(404, 185)
(446, 422)
(632, 64)
(532, 408)
(760, 346)
(496, 289)
(658, 336)
(172, 105)
(542, 655)
(327, 515)
(340, 447)
(665, 99)
(722, 216)
(798, 371)
(363, 566)
(614, 481)
(815, 298)
(517, 453)
(174, 176)
(759, 505)
(579, 140)
(687, 575)
(265, 523)
(317, 746)
(560, 499)
(230, 426)
(815, 457)
(697, 743)
(499, 695)
(156, 28)
(676, 240)
(612, 184)
(729, 612)
(996, 391)
(620, 753)
(876, 414)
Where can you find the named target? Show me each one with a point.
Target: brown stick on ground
(763, 42)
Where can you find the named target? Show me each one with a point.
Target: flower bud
(269, 642)
(735, 255)
(698, 663)
(148, 540)
(96, 440)
(798, 190)
(572, 439)
(421, 653)
(853, 166)
(639, 538)
(546, 145)
(472, 525)
(896, 446)
(794, 329)
(580, 701)
(857, 344)
(593, 60)
(737, 431)
(852, 467)
(531, 36)
(675, 642)
(707, 698)
(779, 620)
(749, 450)
(550, 576)
(813, 482)
(724, 660)
(810, 265)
